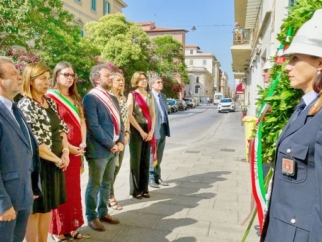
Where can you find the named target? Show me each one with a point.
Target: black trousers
(139, 162)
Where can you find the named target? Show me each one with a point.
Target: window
(190, 62)
(78, 1)
(107, 7)
(197, 87)
(93, 5)
(204, 62)
(82, 33)
(191, 52)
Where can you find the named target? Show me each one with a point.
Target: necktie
(20, 121)
(164, 108)
(299, 108)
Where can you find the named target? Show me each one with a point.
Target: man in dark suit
(19, 160)
(161, 130)
(105, 137)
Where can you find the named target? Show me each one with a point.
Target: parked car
(168, 108)
(226, 105)
(173, 104)
(191, 103)
(182, 105)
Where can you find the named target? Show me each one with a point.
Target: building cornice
(122, 3)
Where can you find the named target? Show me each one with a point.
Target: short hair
(95, 72)
(136, 78)
(4, 59)
(30, 73)
(122, 77)
(152, 80)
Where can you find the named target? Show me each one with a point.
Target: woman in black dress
(50, 132)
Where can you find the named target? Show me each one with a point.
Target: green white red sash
(61, 100)
(106, 99)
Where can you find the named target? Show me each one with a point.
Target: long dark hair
(73, 92)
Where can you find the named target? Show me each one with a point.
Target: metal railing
(242, 36)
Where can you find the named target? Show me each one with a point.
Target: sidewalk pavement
(207, 200)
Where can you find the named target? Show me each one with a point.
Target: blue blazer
(158, 118)
(19, 164)
(295, 212)
(100, 129)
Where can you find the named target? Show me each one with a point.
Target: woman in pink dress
(68, 217)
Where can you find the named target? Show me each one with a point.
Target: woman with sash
(67, 218)
(117, 91)
(142, 120)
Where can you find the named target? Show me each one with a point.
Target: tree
(122, 42)
(168, 62)
(43, 25)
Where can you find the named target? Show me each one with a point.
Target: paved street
(208, 196)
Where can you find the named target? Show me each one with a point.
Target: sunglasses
(68, 74)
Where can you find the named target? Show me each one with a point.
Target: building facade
(92, 10)
(261, 21)
(153, 31)
(204, 73)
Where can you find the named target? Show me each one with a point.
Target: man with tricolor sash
(105, 137)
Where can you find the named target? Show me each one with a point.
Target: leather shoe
(162, 183)
(146, 195)
(96, 225)
(153, 184)
(109, 219)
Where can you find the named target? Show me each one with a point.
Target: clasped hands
(146, 136)
(63, 161)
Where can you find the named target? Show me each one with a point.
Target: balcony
(241, 49)
(240, 74)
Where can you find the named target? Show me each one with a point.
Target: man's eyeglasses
(68, 74)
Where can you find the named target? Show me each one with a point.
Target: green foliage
(168, 60)
(43, 26)
(129, 47)
(285, 98)
(121, 42)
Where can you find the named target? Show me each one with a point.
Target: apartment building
(261, 21)
(92, 10)
(204, 73)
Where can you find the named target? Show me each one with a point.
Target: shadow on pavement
(165, 215)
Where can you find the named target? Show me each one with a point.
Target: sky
(213, 19)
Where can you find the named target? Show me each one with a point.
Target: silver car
(226, 105)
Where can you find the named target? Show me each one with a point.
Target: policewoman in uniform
(294, 212)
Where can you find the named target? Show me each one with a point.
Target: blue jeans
(100, 178)
(15, 230)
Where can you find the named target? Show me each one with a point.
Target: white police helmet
(308, 39)
(268, 65)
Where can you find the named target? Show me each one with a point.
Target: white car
(226, 105)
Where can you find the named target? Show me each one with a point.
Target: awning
(240, 89)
